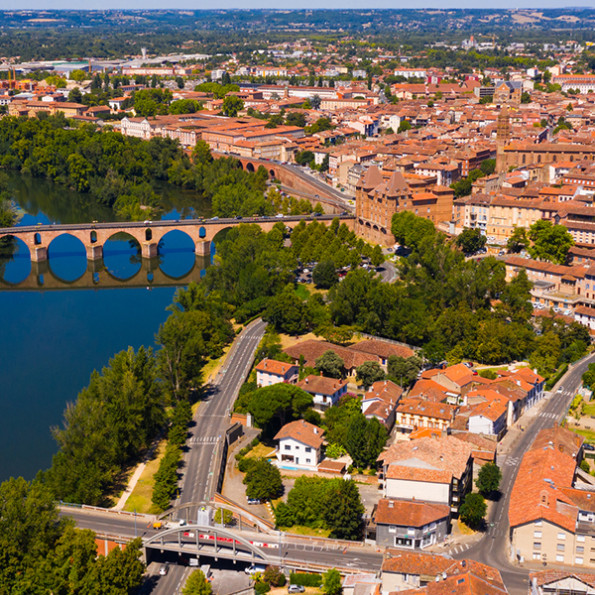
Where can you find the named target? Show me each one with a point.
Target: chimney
(316, 431)
(391, 504)
(265, 364)
(306, 380)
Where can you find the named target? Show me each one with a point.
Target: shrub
(305, 579)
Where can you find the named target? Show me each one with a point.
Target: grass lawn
(212, 366)
(589, 409)
(140, 499)
(301, 530)
(464, 529)
(589, 435)
(288, 340)
(260, 450)
(302, 291)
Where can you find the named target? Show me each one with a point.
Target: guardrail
(88, 507)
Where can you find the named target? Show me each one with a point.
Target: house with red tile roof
(413, 414)
(270, 371)
(553, 582)
(412, 572)
(551, 519)
(381, 402)
(326, 392)
(436, 469)
(410, 523)
(300, 445)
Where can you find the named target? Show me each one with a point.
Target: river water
(62, 319)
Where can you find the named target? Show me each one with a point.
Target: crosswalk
(203, 439)
(547, 415)
(458, 549)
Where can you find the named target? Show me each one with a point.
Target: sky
(228, 4)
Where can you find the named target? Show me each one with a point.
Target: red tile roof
(303, 432)
(410, 513)
(272, 366)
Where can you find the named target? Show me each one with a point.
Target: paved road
(212, 419)
(388, 271)
(493, 549)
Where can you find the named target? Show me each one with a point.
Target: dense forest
(41, 553)
(121, 172)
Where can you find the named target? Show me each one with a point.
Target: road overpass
(148, 234)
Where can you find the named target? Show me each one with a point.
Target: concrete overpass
(148, 234)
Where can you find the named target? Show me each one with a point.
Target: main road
(494, 547)
(212, 419)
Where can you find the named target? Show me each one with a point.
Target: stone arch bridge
(148, 234)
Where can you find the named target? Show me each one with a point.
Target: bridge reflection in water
(97, 276)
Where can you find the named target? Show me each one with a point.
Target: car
(182, 522)
(296, 589)
(251, 570)
(253, 500)
(589, 447)
(214, 218)
(163, 569)
(560, 389)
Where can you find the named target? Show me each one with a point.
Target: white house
(488, 418)
(326, 391)
(271, 371)
(300, 445)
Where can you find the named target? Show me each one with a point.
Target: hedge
(305, 579)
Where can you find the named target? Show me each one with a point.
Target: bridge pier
(94, 251)
(203, 248)
(38, 253)
(149, 249)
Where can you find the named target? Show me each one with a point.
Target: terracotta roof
(535, 494)
(492, 411)
(445, 454)
(409, 513)
(321, 385)
(426, 409)
(546, 577)
(560, 439)
(382, 348)
(330, 466)
(418, 474)
(429, 390)
(312, 350)
(303, 432)
(272, 366)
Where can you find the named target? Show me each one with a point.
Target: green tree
(331, 582)
(75, 95)
(547, 352)
(488, 480)
(78, 75)
(404, 126)
(589, 376)
(287, 312)
(223, 516)
(471, 241)
(518, 240)
(263, 480)
(549, 242)
(330, 364)
(377, 257)
(473, 510)
(184, 106)
(324, 274)
(364, 440)
(343, 513)
(411, 230)
(283, 515)
(232, 105)
(274, 406)
(402, 370)
(273, 576)
(197, 584)
(525, 97)
(516, 297)
(368, 373)
(295, 119)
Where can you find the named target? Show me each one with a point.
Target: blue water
(52, 340)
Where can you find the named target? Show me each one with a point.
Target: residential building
(325, 391)
(300, 445)
(555, 582)
(437, 469)
(410, 523)
(380, 402)
(413, 414)
(270, 371)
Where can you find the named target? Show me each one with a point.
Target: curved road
(493, 549)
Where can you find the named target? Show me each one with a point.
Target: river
(66, 317)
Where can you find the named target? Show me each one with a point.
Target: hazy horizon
(272, 4)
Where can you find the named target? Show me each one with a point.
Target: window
(578, 560)
(537, 545)
(536, 556)
(308, 449)
(562, 536)
(560, 547)
(580, 538)
(288, 447)
(392, 529)
(559, 558)
(580, 549)
(537, 534)
(538, 523)
(308, 460)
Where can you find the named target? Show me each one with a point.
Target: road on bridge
(493, 549)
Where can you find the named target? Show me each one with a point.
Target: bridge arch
(93, 237)
(37, 239)
(67, 258)
(202, 232)
(176, 250)
(232, 537)
(148, 234)
(116, 248)
(250, 167)
(272, 173)
(15, 260)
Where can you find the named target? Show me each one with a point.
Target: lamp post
(135, 534)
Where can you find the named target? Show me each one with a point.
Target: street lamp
(135, 534)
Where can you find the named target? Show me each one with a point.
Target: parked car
(163, 569)
(589, 447)
(251, 570)
(296, 589)
(253, 500)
